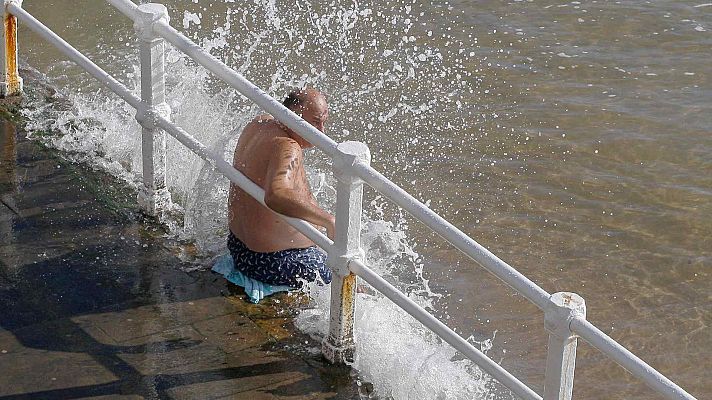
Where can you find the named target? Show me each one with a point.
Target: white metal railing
(564, 313)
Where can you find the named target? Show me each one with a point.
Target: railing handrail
(226, 169)
(376, 180)
(534, 293)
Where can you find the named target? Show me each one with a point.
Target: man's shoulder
(262, 129)
(263, 119)
(261, 122)
(264, 136)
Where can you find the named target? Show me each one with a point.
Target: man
(263, 246)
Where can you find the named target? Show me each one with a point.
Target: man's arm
(283, 190)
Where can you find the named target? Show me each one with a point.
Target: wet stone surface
(93, 303)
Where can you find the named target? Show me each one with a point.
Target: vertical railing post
(561, 357)
(338, 347)
(153, 197)
(11, 84)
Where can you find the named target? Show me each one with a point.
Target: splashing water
(374, 62)
(394, 352)
(336, 48)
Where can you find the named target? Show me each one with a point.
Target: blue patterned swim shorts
(286, 267)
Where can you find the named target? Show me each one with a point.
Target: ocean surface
(572, 139)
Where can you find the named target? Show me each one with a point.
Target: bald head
(300, 97)
(309, 104)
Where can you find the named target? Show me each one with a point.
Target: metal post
(11, 84)
(339, 346)
(561, 358)
(153, 196)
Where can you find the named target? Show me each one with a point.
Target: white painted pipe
(456, 237)
(73, 54)
(440, 329)
(126, 7)
(561, 346)
(639, 368)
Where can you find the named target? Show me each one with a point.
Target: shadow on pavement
(95, 304)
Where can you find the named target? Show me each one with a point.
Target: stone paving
(94, 304)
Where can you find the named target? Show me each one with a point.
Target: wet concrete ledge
(93, 302)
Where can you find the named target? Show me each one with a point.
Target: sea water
(570, 138)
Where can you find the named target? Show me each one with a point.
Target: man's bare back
(271, 155)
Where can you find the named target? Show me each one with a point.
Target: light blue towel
(255, 289)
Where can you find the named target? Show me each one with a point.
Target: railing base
(154, 203)
(338, 354)
(8, 89)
